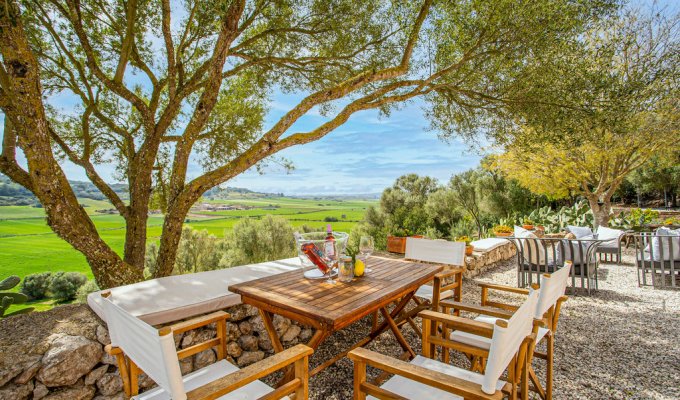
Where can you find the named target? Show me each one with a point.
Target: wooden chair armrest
(112, 350)
(197, 322)
(484, 310)
(503, 288)
(439, 380)
(249, 374)
(459, 323)
(448, 273)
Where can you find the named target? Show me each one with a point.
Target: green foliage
(197, 251)
(639, 216)
(64, 285)
(36, 286)
(88, 287)
(403, 205)
(252, 241)
(465, 239)
(330, 219)
(502, 229)
(9, 298)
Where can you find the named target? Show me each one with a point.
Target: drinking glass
(366, 247)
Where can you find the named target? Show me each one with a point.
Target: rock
(108, 359)
(245, 328)
(306, 334)
(76, 392)
(9, 374)
(281, 324)
(241, 312)
(119, 396)
(291, 333)
(16, 392)
(68, 359)
(95, 374)
(188, 339)
(30, 369)
(103, 335)
(186, 365)
(204, 358)
(40, 391)
(144, 382)
(258, 326)
(110, 383)
(249, 357)
(204, 335)
(265, 343)
(248, 342)
(233, 349)
(232, 332)
(178, 339)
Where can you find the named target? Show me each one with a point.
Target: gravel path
(622, 342)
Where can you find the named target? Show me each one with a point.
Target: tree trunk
(23, 93)
(170, 237)
(601, 212)
(135, 231)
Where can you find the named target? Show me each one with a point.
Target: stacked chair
(139, 347)
(511, 348)
(546, 315)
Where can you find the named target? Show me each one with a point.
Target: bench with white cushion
(168, 299)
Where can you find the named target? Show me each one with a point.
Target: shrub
(330, 219)
(89, 287)
(65, 285)
(36, 286)
(465, 239)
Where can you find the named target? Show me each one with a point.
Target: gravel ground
(622, 342)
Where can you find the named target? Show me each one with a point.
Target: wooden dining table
(330, 307)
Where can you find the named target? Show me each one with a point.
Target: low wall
(479, 262)
(59, 354)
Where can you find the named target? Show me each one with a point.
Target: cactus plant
(9, 298)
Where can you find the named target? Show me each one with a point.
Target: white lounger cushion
(480, 341)
(488, 244)
(162, 300)
(415, 390)
(208, 374)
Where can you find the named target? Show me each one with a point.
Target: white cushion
(605, 233)
(579, 255)
(488, 244)
(580, 231)
(416, 390)
(156, 301)
(482, 342)
(427, 291)
(665, 243)
(208, 374)
(532, 248)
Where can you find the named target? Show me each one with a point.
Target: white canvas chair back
(505, 342)
(153, 354)
(552, 288)
(435, 251)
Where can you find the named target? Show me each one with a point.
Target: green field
(28, 245)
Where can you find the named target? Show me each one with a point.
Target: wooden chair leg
(302, 372)
(359, 378)
(549, 366)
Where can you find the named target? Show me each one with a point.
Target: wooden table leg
(269, 325)
(397, 333)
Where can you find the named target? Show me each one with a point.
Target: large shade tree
(159, 83)
(616, 107)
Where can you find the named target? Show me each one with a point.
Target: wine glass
(366, 247)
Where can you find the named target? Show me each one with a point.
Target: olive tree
(158, 83)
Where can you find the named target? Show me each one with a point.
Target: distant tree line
(13, 194)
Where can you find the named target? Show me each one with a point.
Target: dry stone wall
(59, 354)
(479, 262)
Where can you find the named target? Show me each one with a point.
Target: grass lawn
(28, 245)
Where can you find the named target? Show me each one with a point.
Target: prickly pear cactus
(9, 298)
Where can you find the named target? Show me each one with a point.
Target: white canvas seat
(142, 348)
(511, 341)
(426, 292)
(550, 297)
(209, 374)
(416, 390)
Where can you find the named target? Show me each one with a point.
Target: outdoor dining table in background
(329, 308)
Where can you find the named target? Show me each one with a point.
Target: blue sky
(363, 156)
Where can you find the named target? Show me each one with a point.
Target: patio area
(619, 343)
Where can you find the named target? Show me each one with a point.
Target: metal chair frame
(647, 262)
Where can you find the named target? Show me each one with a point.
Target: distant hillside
(12, 194)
